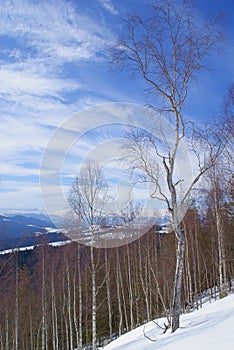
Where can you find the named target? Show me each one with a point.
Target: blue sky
(54, 64)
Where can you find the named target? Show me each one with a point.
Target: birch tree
(167, 46)
(88, 198)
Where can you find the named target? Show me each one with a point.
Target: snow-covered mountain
(21, 229)
(208, 328)
(17, 225)
(27, 229)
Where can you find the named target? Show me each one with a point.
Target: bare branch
(167, 47)
(147, 337)
(165, 328)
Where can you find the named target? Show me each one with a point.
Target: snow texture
(211, 327)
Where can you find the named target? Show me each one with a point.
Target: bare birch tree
(167, 47)
(88, 198)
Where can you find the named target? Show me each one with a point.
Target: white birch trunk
(221, 250)
(75, 313)
(119, 294)
(188, 272)
(108, 293)
(69, 306)
(16, 306)
(130, 292)
(80, 301)
(94, 302)
(178, 283)
(43, 304)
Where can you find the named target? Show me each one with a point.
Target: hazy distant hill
(15, 226)
(17, 230)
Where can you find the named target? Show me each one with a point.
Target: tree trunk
(16, 304)
(54, 313)
(144, 282)
(75, 312)
(178, 282)
(94, 305)
(69, 306)
(43, 305)
(119, 294)
(130, 288)
(189, 292)
(124, 299)
(6, 331)
(61, 307)
(108, 292)
(77, 293)
(1, 338)
(80, 300)
(221, 250)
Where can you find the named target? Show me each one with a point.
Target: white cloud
(54, 28)
(18, 82)
(16, 170)
(45, 48)
(19, 194)
(18, 135)
(109, 6)
(41, 38)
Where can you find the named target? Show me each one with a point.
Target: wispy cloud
(52, 65)
(44, 46)
(53, 29)
(39, 39)
(20, 194)
(16, 82)
(107, 4)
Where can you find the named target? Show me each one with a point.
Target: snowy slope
(211, 327)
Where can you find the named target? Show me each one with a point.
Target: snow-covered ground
(31, 247)
(211, 327)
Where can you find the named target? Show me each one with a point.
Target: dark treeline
(46, 294)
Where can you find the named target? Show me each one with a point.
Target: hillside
(208, 328)
(27, 230)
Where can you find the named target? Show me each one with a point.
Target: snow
(12, 250)
(60, 243)
(208, 328)
(52, 230)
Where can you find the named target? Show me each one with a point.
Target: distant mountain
(33, 228)
(57, 220)
(32, 241)
(29, 229)
(16, 226)
(36, 215)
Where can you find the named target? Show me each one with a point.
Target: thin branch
(147, 337)
(165, 328)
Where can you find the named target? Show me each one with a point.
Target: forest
(46, 293)
(82, 297)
